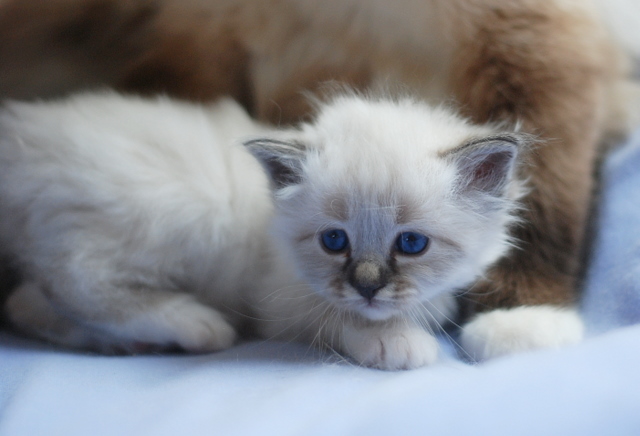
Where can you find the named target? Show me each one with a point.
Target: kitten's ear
(282, 159)
(487, 165)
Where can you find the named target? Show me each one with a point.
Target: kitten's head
(384, 204)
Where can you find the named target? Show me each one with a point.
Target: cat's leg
(547, 66)
(295, 312)
(127, 323)
(161, 318)
(124, 307)
(392, 345)
(402, 343)
(505, 331)
(388, 345)
(154, 317)
(29, 311)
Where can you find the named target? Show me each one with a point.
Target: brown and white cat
(547, 64)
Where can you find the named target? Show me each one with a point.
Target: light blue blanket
(612, 292)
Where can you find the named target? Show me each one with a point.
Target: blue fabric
(612, 290)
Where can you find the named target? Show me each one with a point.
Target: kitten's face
(386, 206)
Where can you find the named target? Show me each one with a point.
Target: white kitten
(143, 224)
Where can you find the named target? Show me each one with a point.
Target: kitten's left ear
(282, 159)
(487, 165)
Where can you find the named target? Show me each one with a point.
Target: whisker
(326, 314)
(444, 315)
(337, 330)
(422, 320)
(451, 339)
(298, 287)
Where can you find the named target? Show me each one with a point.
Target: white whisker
(443, 330)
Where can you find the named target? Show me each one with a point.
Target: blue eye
(335, 240)
(411, 243)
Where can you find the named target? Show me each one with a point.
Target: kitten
(141, 224)
(549, 64)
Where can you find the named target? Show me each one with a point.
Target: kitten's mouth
(375, 309)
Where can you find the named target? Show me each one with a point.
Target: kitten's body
(125, 203)
(142, 224)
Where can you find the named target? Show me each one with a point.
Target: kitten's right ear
(282, 159)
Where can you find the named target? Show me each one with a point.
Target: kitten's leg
(390, 346)
(505, 331)
(108, 317)
(548, 67)
(165, 319)
(29, 311)
(296, 313)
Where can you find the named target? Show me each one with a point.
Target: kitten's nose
(367, 291)
(368, 278)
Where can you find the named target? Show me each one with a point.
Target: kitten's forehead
(337, 207)
(345, 205)
(381, 163)
(397, 129)
(384, 158)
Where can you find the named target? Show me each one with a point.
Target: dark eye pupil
(335, 240)
(411, 243)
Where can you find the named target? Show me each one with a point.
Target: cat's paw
(182, 322)
(390, 348)
(506, 331)
(205, 330)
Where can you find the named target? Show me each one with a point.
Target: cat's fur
(549, 64)
(144, 224)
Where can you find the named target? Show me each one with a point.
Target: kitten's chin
(375, 311)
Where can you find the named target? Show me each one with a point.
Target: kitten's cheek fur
(506, 331)
(390, 348)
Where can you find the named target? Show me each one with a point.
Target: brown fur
(550, 71)
(49, 48)
(546, 63)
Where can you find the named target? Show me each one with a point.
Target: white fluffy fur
(112, 205)
(506, 331)
(144, 224)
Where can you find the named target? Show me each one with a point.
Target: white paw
(390, 348)
(506, 331)
(182, 322)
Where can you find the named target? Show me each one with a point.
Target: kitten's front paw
(184, 322)
(202, 329)
(506, 331)
(390, 348)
